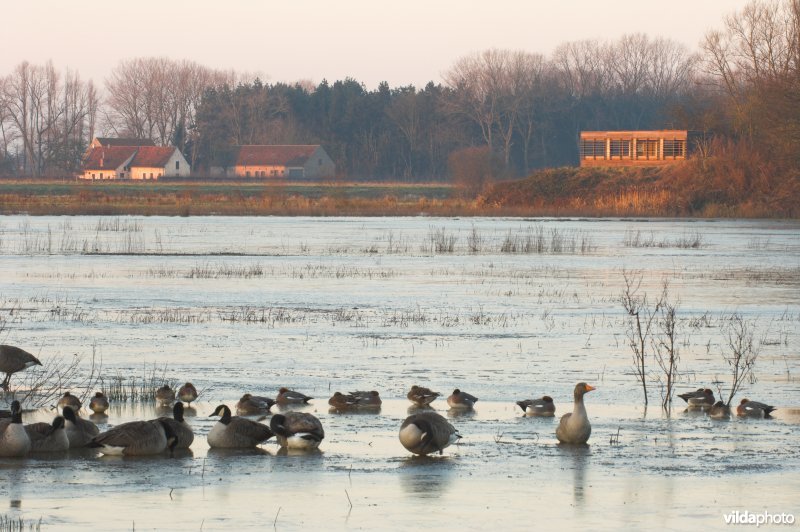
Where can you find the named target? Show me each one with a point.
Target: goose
(184, 435)
(14, 359)
(574, 426)
(748, 408)
(421, 396)
(461, 400)
(702, 398)
(427, 432)
(544, 407)
(165, 395)
(69, 400)
(254, 404)
(360, 400)
(719, 410)
(79, 431)
(99, 403)
(187, 393)
(48, 438)
(136, 438)
(232, 432)
(286, 397)
(297, 430)
(14, 440)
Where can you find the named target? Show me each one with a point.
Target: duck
(99, 403)
(79, 431)
(748, 408)
(165, 396)
(136, 438)
(234, 432)
(719, 410)
(574, 427)
(421, 396)
(14, 359)
(254, 404)
(187, 393)
(701, 398)
(461, 400)
(184, 435)
(297, 430)
(286, 397)
(427, 432)
(48, 437)
(544, 407)
(14, 439)
(69, 400)
(359, 400)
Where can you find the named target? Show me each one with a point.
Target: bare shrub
(740, 352)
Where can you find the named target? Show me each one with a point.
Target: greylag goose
(574, 426)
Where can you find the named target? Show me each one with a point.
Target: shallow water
(251, 304)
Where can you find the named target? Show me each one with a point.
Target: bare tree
(665, 346)
(740, 352)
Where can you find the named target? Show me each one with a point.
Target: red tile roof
(286, 155)
(108, 158)
(153, 156)
(111, 141)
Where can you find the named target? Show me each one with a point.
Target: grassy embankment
(677, 190)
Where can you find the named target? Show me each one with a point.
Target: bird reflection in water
(577, 458)
(426, 476)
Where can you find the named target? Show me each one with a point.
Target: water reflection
(460, 413)
(426, 476)
(577, 457)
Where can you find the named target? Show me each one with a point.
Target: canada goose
(701, 398)
(184, 435)
(79, 431)
(69, 400)
(359, 400)
(544, 407)
(427, 432)
(574, 426)
(421, 396)
(14, 440)
(297, 430)
(48, 438)
(748, 408)
(461, 400)
(165, 396)
(187, 393)
(232, 432)
(99, 403)
(719, 410)
(136, 438)
(254, 404)
(288, 397)
(14, 359)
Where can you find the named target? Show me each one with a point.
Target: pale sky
(403, 42)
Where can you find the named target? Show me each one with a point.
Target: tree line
(519, 110)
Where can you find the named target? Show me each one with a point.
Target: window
(647, 149)
(177, 165)
(151, 175)
(620, 148)
(320, 162)
(93, 176)
(674, 149)
(101, 175)
(247, 173)
(593, 149)
(122, 175)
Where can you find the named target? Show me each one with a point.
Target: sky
(408, 42)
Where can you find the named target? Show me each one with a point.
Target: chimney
(102, 156)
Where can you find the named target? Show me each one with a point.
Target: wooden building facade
(633, 148)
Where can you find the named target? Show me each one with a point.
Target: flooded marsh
(502, 308)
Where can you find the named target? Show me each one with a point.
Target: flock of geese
(422, 433)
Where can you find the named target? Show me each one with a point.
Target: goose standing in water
(187, 393)
(544, 407)
(136, 438)
(14, 359)
(79, 431)
(69, 400)
(427, 432)
(290, 397)
(574, 427)
(748, 408)
(48, 438)
(14, 440)
(459, 400)
(422, 396)
(99, 403)
(297, 430)
(165, 396)
(184, 435)
(234, 432)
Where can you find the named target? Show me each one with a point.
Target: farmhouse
(633, 148)
(134, 162)
(309, 161)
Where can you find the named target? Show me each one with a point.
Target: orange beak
(589, 388)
